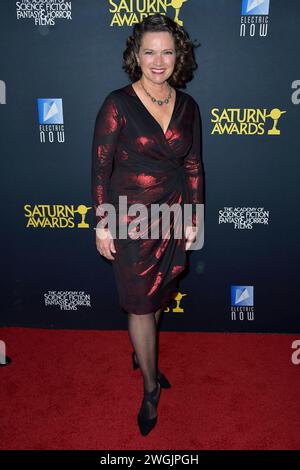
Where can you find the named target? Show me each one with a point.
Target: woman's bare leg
(157, 318)
(157, 321)
(143, 334)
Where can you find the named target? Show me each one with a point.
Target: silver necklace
(160, 102)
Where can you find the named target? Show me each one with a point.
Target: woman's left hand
(190, 235)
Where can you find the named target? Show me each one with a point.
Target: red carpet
(74, 389)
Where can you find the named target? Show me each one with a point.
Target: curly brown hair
(185, 61)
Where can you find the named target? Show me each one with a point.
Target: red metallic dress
(133, 157)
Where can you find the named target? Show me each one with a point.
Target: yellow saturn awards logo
(56, 216)
(128, 12)
(178, 308)
(248, 121)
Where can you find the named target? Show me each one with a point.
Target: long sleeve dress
(133, 157)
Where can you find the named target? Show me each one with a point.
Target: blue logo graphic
(255, 7)
(50, 111)
(241, 296)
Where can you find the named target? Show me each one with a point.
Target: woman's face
(157, 56)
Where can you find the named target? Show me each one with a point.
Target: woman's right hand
(105, 243)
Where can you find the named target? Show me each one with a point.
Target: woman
(146, 146)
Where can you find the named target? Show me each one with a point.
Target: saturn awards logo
(248, 121)
(56, 216)
(129, 12)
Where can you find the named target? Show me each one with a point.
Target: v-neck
(155, 120)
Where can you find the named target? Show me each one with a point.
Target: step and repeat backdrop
(59, 59)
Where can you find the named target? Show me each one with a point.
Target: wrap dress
(133, 157)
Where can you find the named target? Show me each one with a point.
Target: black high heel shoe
(147, 424)
(161, 378)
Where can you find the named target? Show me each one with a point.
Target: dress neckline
(151, 115)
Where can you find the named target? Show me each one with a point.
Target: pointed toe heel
(147, 424)
(162, 379)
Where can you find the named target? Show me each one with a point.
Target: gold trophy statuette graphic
(177, 309)
(82, 210)
(275, 114)
(177, 4)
